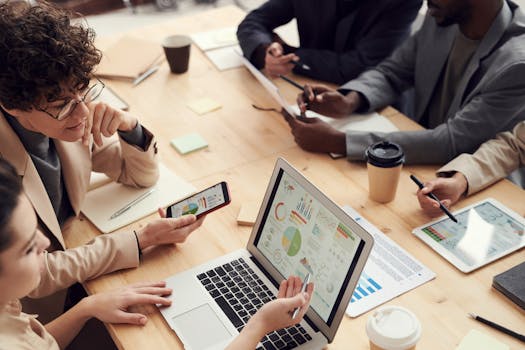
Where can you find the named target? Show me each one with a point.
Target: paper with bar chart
(390, 271)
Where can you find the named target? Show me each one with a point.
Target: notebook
(298, 231)
(512, 284)
(476, 340)
(128, 58)
(107, 197)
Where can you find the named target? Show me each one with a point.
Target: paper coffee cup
(177, 51)
(384, 162)
(393, 328)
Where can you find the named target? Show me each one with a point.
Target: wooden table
(243, 146)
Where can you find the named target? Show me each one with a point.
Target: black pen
(505, 330)
(433, 196)
(292, 82)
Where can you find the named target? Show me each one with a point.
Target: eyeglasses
(90, 94)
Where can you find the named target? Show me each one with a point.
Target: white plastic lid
(393, 328)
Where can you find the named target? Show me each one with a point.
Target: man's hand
(448, 190)
(104, 120)
(314, 135)
(328, 102)
(275, 63)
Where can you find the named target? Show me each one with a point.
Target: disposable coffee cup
(384, 162)
(393, 328)
(177, 50)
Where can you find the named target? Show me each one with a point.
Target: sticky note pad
(248, 213)
(203, 105)
(189, 143)
(476, 340)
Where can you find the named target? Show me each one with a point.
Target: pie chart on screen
(190, 208)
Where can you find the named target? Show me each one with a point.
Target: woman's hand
(167, 230)
(112, 307)
(104, 120)
(447, 189)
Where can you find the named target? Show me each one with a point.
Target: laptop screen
(299, 235)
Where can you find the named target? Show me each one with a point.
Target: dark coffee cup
(384, 162)
(177, 50)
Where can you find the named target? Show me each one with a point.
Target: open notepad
(106, 197)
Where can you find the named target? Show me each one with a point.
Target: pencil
(505, 330)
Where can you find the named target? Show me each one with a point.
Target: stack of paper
(219, 45)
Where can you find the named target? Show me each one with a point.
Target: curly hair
(41, 54)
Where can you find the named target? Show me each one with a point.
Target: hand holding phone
(201, 203)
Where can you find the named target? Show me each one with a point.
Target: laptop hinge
(276, 285)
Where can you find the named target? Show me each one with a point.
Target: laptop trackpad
(201, 328)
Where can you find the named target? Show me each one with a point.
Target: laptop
(298, 231)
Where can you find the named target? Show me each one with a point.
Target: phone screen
(202, 202)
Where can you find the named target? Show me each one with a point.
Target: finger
(297, 286)
(160, 284)
(309, 91)
(114, 125)
(98, 115)
(131, 318)
(182, 221)
(291, 287)
(446, 202)
(162, 212)
(139, 299)
(161, 291)
(282, 289)
(87, 127)
(108, 117)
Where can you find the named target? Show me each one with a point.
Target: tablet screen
(482, 233)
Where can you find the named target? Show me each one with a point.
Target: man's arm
(498, 107)
(256, 29)
(388, 31)
(494, 160)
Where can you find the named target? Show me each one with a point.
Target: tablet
(486, 231)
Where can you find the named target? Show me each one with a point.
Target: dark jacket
(339, 39)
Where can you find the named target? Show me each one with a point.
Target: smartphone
(201, 203)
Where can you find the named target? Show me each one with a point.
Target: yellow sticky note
(476, 340)
(203, 105)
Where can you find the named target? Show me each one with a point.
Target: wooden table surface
(243, 146)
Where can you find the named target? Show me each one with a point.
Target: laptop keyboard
(239, 292)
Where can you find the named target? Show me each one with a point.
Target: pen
(294, 83)
(505, 330)
(146, 74)
(303, 289)
(131, 204)
(433, 196)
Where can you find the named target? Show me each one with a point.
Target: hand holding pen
(427, 192)
(276, 62)
(448, 189)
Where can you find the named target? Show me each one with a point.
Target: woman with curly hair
(55, 133)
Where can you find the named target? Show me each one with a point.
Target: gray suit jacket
(490, 98)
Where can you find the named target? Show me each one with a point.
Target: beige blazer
(104, 254)
(494, 160)
(122, 162)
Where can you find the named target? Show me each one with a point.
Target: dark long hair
(10, 191)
